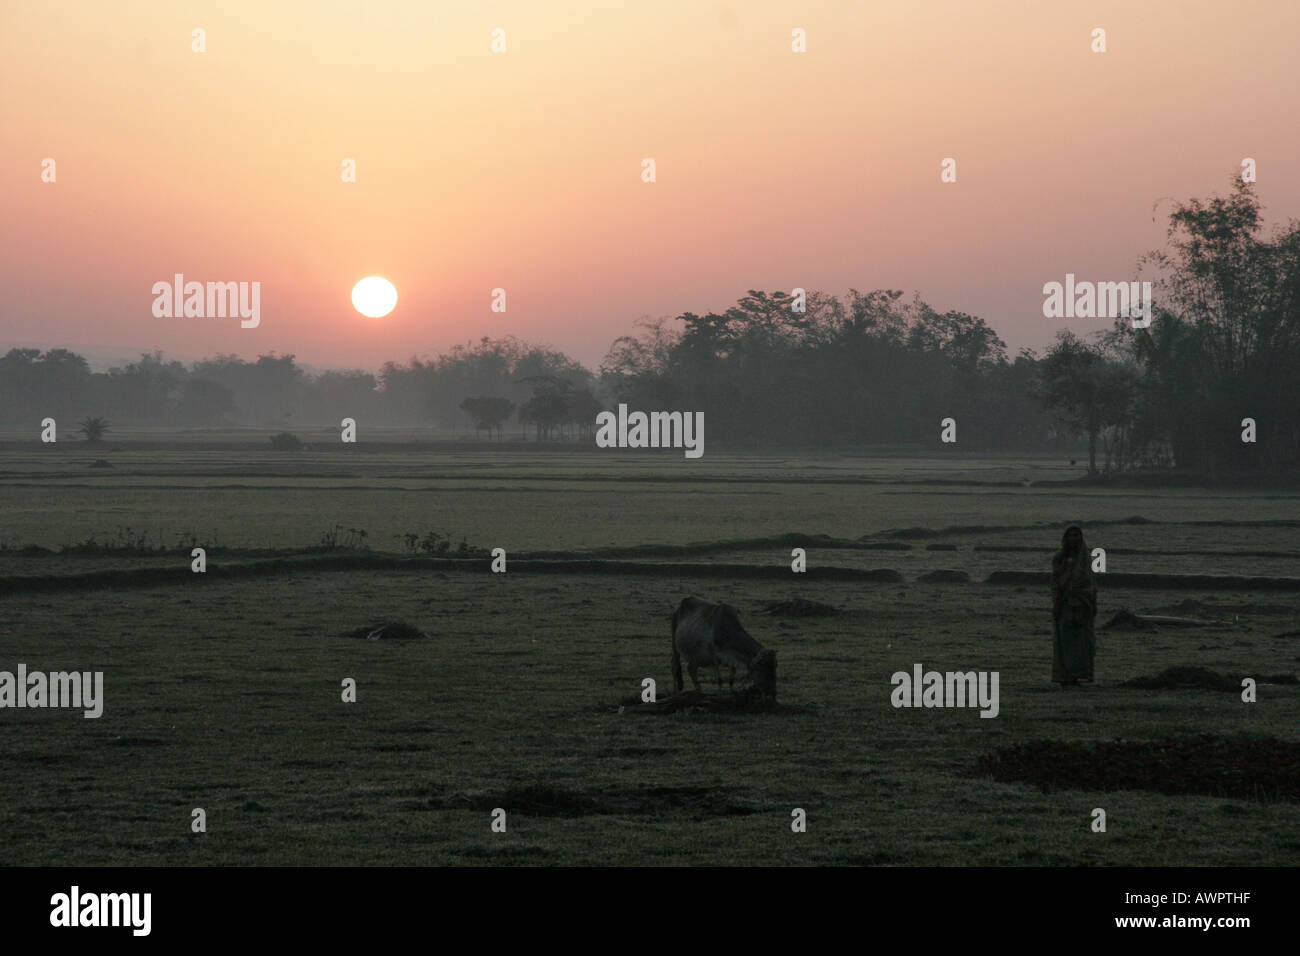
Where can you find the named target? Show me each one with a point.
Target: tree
(148, 389)
(1072, 384)
(268, 390)
(488, 412)
(203, 402)
(966, 341)
(583, 407)
(637, 369)
(1117, 388)
(548, 409)
(93, 428)
(1225, 340)
(333, 395)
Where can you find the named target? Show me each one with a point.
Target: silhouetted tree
(1071, 385)
(548, 409)
(1225, 340)
(488, 412)
(93, 428)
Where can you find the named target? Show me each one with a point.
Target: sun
(374, 296)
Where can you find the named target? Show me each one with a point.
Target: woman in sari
(1074, 606)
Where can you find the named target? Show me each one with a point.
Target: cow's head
(762, 669)
(763, 672)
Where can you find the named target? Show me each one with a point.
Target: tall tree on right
(1225, 341)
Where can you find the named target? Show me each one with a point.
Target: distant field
(529, 501)
(224, 693)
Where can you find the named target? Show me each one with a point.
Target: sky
(523, 169)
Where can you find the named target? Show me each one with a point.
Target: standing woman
(1074, 606)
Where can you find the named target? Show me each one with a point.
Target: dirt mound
(798, 607)
(393, 631)
(542, 800)
(1199, 678)
(1243, 768)
(1126, 620)
(945, 576)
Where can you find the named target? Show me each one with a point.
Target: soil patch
(393, 631)
(1200, 678)
(945, 576)
(1243, 768)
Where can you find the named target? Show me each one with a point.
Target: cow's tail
(677, 658)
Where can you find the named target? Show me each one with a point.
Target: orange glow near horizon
(522, 170)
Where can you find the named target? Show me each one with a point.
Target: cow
(711, 634)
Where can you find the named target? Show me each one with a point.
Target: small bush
(93, 428)
(341, 537)
(286, 441)
(434, 543)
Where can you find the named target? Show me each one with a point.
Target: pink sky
(522, 169)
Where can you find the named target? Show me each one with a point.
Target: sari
(1074, 607)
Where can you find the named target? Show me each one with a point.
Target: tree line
(783, 370)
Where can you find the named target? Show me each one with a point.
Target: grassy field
(224, 693)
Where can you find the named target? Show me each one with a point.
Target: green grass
(225, 693)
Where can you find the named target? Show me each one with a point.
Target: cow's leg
(694, 670)
(717, 673)
(733, 680)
